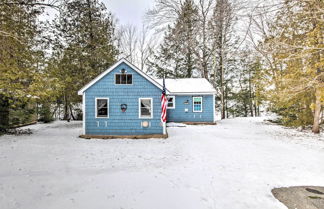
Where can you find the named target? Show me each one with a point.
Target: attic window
(123, 78)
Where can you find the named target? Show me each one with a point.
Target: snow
(234, 164)
(187, 85)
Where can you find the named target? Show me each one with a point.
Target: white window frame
(139, 108)
(193, 104)
(173, 102)
(108, 108)
(126, 78)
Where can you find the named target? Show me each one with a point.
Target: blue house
(123, 101)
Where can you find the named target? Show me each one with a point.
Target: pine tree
(21, 58)
(167, 61)
(179, 45)
(85, 34)
(297, 43)
(185, 32)
(205, 49)
(248, 94)
(221, 27)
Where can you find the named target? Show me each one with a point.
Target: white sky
(125, 11)
(129, 11)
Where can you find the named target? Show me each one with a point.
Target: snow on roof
(188, 85)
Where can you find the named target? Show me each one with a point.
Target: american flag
(164, 102)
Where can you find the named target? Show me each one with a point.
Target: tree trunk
(317, 112)
(251, 106)
(250, 94)
(222, 87)
(223, 104)
(4, 113)
(204, 52)
(245, 110)
(66, 109)
(255, 108)
(71, 112)
(258, 110)
(226, 104)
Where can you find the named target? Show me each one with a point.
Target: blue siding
(180, 115)
(122, 123)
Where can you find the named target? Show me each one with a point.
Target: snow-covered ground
(233, 165)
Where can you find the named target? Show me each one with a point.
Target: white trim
(172, 102)
(83, 113)
(139, 108)
(112, 68)
(214, 117)
(96, 111)
(193, 98)
(193, 93)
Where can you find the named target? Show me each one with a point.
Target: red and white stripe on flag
(164, 102)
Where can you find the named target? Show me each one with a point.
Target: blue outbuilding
(124, 101)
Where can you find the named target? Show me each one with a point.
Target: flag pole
(164, 128)
(164, 122)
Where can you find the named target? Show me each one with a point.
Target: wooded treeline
(47, 62)
(268, 56)
(260, 57)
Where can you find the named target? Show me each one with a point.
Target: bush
(22, 114)
(78, 115)
(45, 113)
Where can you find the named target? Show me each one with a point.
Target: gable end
(82, 90)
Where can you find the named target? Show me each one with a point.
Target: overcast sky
(129, 11)
(126, 11)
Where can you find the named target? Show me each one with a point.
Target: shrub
(45, 113)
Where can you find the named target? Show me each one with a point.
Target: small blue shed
(124, 101)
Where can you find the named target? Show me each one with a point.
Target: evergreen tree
(179, 45)
(21, 59)
(248, 94)
(167, 62)
(85, 34)
(186, 34)
(221, 27)
(297, 42)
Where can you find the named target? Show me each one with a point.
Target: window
(171, 102)
(102, 107)
(197, 104)
(145, 108)
(123, 79)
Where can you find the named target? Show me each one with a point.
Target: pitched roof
(80, 92)
(188, 86)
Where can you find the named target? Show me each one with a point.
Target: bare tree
(164, 13)
(128, 41)
(136, 45)
(204, 50)
(49, 3)
(146, 44)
